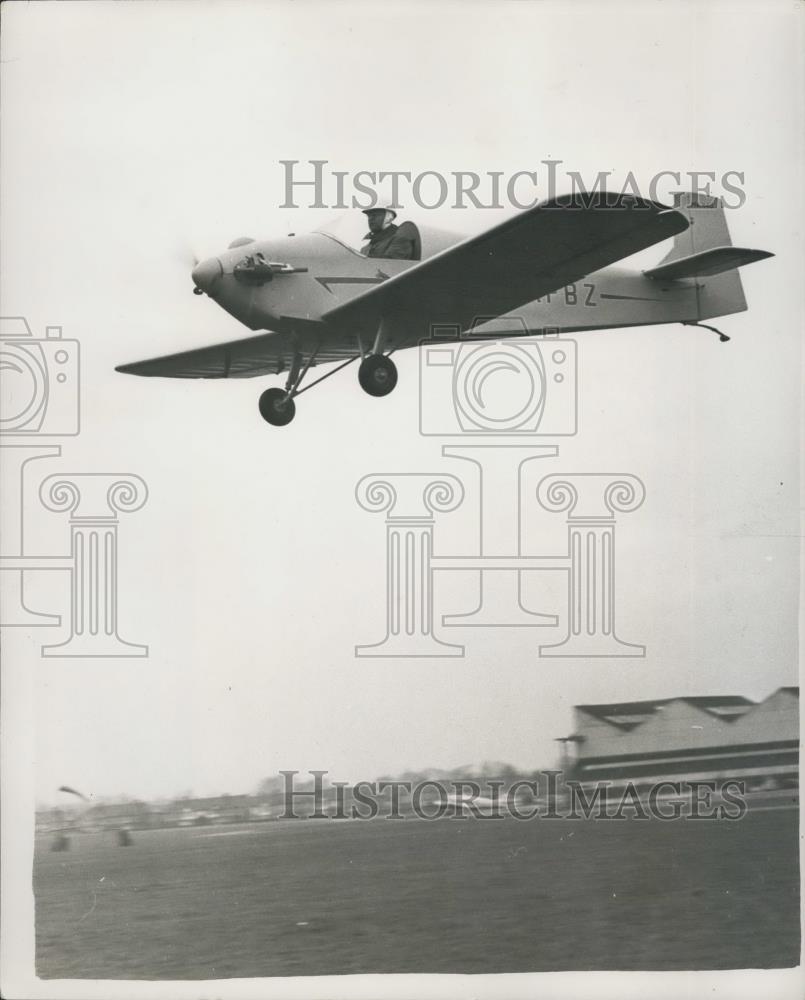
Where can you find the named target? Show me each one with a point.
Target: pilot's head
(379, 218)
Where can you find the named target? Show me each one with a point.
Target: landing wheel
(377, 375)
(277, 407)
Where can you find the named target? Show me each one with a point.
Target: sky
(137, 135)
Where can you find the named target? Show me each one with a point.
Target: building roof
(718, 701)
(617, 711)
(630, 714)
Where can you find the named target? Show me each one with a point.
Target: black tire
(377, 375)
(276, 407)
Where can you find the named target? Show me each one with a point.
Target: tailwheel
(377, 375)
(277, 407)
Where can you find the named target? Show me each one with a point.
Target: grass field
(307, 898)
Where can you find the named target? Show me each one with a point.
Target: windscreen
(350, 228)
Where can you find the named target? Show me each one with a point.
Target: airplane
(315, 299)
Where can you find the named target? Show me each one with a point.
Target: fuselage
(299, 279)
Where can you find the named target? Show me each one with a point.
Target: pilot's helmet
(380, 208)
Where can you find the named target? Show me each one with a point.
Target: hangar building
(699, 738)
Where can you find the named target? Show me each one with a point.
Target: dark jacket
(396, 242)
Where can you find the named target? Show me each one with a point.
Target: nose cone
(207, 273)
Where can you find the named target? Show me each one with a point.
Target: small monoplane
(316, 299)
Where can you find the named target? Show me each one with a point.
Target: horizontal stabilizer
(706, 262)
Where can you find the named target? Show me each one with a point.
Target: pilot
(389, 240)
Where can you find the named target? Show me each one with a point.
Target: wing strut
(321, 378)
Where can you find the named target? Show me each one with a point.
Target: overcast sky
(137, 134)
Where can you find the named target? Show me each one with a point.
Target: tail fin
(705, 251)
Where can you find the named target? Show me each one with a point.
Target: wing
(518, 261)
(265, 354)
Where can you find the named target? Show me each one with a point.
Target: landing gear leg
(378, 373)
(276, 405)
